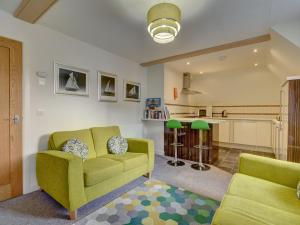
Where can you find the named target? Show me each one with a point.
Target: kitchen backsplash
(237, 111)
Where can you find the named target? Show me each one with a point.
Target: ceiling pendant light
(164, 22)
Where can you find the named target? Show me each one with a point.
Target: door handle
(16, 119)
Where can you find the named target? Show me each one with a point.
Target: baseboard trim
(244, 147)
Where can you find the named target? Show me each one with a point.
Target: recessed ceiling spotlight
(255, 50)
(255, 64)
(222, 57)
(188, 63)
(201, 72)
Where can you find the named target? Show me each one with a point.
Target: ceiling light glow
(164, 22)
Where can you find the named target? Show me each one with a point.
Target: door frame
(15, 108)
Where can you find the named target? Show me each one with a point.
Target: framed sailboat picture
(132, 91)
(107, 87)
(70, 80)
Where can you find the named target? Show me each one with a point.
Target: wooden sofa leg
(148, 175)
(73, 215)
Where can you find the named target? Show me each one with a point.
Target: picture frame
(107, 87)
(132, 91)
(70, 80)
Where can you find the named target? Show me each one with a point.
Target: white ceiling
(228, 60)
(119, 26)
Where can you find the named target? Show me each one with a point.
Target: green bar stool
(201, 126)
(175, 124)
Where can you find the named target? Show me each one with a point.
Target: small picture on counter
(132, 91)
(152, 103)
(71, 80)
(107, 87)
(175, 93)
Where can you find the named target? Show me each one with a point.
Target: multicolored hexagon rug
(155, 202)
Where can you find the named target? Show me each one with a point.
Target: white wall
(174, 79)
(41, 46)
(284, 54)
(155, 129)
(290, 30)
(250, 86)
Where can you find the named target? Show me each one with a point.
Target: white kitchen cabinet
(224, 132)
(245, 132)
(264, 133)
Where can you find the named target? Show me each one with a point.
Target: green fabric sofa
(73, 182)
(262, 192)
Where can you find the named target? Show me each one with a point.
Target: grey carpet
(38, 208)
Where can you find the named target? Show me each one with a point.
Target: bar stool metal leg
(200, 166)
(176, 162)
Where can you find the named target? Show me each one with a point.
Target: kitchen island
(189, 138)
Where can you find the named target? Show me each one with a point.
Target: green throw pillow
(117, 145)
(298, 190)
(76, 147)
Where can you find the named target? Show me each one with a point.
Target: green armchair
(73, 182)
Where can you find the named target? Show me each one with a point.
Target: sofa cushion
(101, 135)
(117, 145)
(76, 147)
(265, 192)
(130, 160)
(58, 139)
(99, 169)
(239, 207)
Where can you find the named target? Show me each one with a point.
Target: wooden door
(11, 183)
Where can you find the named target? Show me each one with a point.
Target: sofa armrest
(142, 146)
(277, 171)
(60, 174)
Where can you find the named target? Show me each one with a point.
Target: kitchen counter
(227, 118)
(208, 120)
(189, 138)
(240, 118)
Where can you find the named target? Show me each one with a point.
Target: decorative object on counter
(175, 125)
(70, 80)
(201, 126)
(117, 145)
(132, 91)
(224, 113)
(175, 93)
(155, 110)
(107, 87)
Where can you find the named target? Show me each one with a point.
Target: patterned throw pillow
(117, 145)
(76, 147)
(298, 190)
